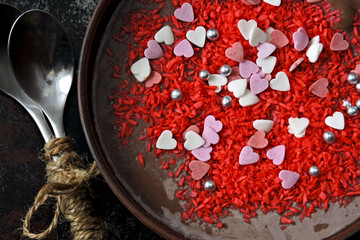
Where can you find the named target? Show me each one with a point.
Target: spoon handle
(40, 121)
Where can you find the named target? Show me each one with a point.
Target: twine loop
(68, 183)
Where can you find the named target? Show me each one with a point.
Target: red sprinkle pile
(251, 187)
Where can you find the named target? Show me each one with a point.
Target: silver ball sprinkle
(329, 137)
(352, 78)
(345, 103)
(209, 186)
(358, 103)
(226, 101)
(176, 94)
(314, 170)
(212, 34)
(204, 75)
(357, 86)
(225, 70)
(352, 111)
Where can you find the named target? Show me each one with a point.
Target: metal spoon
(8, 82)
(42, 59)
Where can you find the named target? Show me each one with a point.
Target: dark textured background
(22, 173)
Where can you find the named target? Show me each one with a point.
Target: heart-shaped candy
(154, 50)
(193, 141)
(202, 153)
(267, 64)
(314, 50)
(235, 74)
(301, 39)
(289, 178)
(212, 123)
(257, 36)
(298, 135)
(166, 141)
(280, 82)
(237, 87)
(268, 32)
(319, 88)
(336, 121)
(273, 2)
(276, 154)
(248, 156)
(141, 69)
(338, 43)
(247, 68)
(184, 48)
(185, 13)
(218, 81)
(154, 78)
(197, 36)
(265, 50)
(166, 35)
(246, 27)
(191, 128)
(236, 52)
(298, 125)
(248, 99)
(258, 140)
(263, 125)
(199, 169)
(210, 136)
(258, 84)
(296, 64)
(279, 39)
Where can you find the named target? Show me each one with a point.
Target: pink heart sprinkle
(296, 64)
(154, 78)
(235, 74)
(319, 88)
(193, 128)
(261, 73)
(279, 39)
(289, 178)
(277, 154)
(251, 2)
(185, 13)
(184, 48)
(154, 50)
(247, 68)
(301, 39)
(265, 50)
(199, 169)
(301, 29)
(258, 84)
(258, 140)
(202, 153)
(248, 156)
(338, 43)
(212, 123)
(210, 136)
(236, 52)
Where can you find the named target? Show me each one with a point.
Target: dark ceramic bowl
(148, 193)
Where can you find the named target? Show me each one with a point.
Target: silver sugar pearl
(329, 137)
(314, 170)
(226, 101)
(358, 103)
(357, 86)
(352, 111)
(204, 75)
(176, 94)
(345, 103)
(225, 70)
(352, 78)
(212, 34)
(209, 186)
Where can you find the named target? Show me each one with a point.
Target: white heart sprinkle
(267, 64)
(237, 87)
(141, 69)
(246, 27)
(218, 81)
(263, 125)
(298, 135)
(248, 99)
(314, 49)
(336, 121)
(166, 35)
(314, 40)
(257, 36)
(298, 125)
(281, 82)
(193, 141)
(197, 37)
(273, 2)
(269, 30)
(166, 141)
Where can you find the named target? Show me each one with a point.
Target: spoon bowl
(42, 59)
(8, 82)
